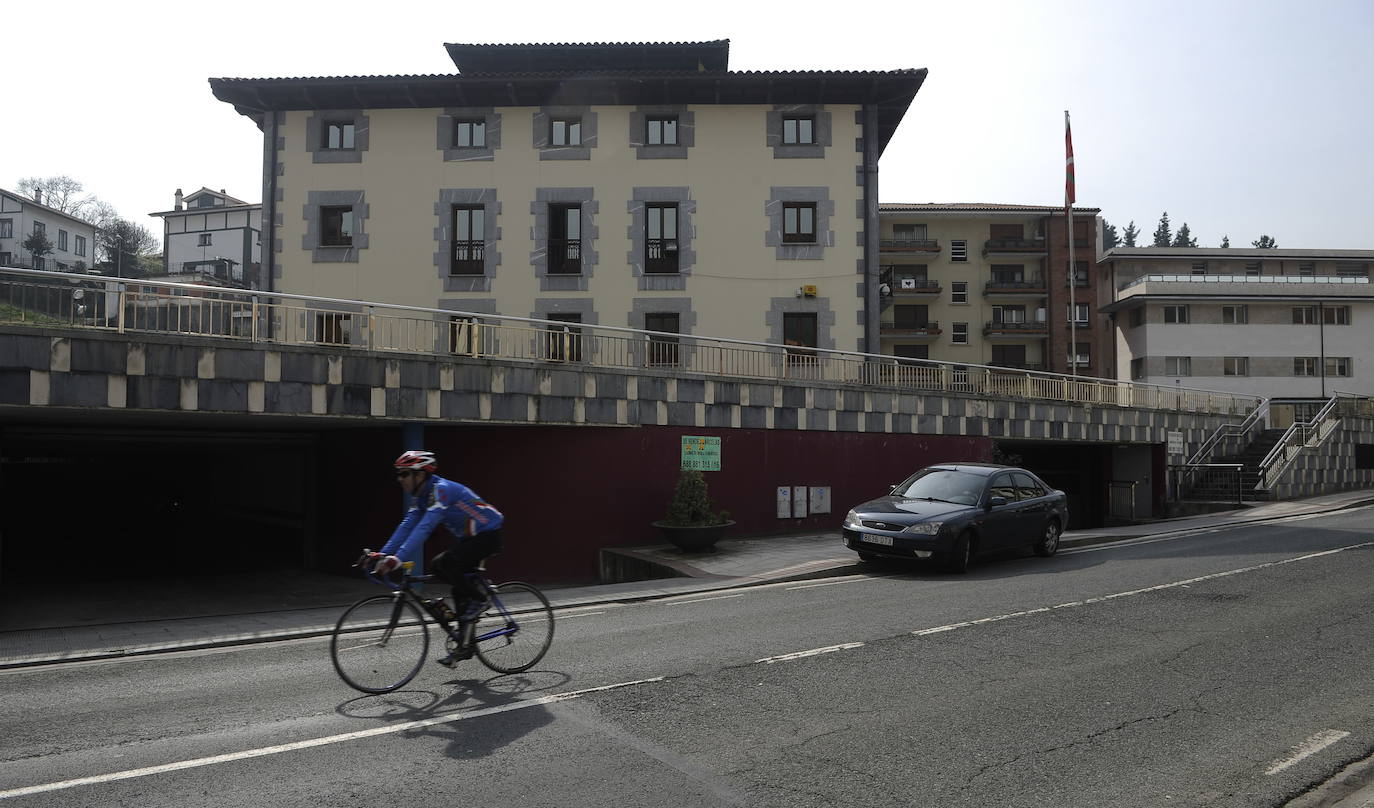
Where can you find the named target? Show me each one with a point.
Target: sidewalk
(243, 609)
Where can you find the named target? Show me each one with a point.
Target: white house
(212, 235)
(73, 239)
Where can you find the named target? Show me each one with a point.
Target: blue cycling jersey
(440, 501)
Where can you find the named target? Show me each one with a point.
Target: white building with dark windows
(210, 235)
(73, 240)
(1278, 323)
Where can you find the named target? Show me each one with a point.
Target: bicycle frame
(405, 590)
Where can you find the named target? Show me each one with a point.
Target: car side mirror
(892, 488)
(997, 502)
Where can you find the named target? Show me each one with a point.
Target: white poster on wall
(798, 501)
(784, 501)
(820, 499)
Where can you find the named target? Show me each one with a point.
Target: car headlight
(851, 519)
(925, 528)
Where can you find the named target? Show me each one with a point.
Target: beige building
(988, 285)
(641, 185)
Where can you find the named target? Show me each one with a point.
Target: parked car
(952, 512)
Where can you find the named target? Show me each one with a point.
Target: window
(1077, 313)
(564, 342)
(910, 316)
(1080, 355)
(1009, 356)
(203, 240)
(1235, 315)
(663, 350)
(62, 239)
(1307, 268)
(39, 227)
(911, 351)
(1336, 315)
(470, 134)
(1137, 317)
(5, 259)
(958, 250)
(1008, 273)
(80, 245)
(1009, 314)
(469, 243)
(336, 226)
(208, 201)
(1235, 366)
(1199, 267)
(6, 228)
(1007, 232)
(909, 232)
(1304, 366)
(958, 292)
(798, 130)
(1178, 366)
(1337, 366)
(338, 135)
(1138, 368)
(1304, 315)
(661, 131)
(799, 334)
(565, 132)
(1252, 268)
(1002, 486)
(1080, 276)
(1175, 314)
(660, 239)
(565, 239)
(799, 223)
(1026, 487)
(958, 333)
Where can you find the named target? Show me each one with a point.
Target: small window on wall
(798, 130)
(1304, 366)
(661, 131)
(470, 134)
(958, 292)
(1336, 315)
(6, 228)
(1178, 366)
(1307, 269)
(338, 135)
(336, 226)
(203, 240)
(1199, 267)
(1252, 268)
(1235, 366)
(911, 351)
(1176, 314)
(1078, 313)
(799, 223)
(1304, 315)
(1337, 366)
(565, 132)
(1235, 315)
(1081, 355)
(958, 250)
(958, 333)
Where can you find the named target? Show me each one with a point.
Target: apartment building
(630, 184)
(73, 240)
(212, 237)
(989, 285)
(1281, 323)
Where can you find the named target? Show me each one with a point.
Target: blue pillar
(413, 437)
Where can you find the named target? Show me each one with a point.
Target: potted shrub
(692, 522)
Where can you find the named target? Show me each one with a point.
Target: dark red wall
(569, 491)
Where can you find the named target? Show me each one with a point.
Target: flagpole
(1068, 230)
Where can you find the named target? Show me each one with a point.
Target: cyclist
(473, 523)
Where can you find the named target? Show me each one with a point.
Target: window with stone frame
(565, 239)
(661, 238)
(469, 244)
(565, 132)
(470, 133)
(799, 223)
(798, 130)
(336, 226)
(660, 130)
(338, 135)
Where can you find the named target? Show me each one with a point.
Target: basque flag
(1069, 197)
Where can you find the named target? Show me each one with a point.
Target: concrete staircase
(1215, 484)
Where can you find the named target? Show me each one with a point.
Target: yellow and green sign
(700, 453)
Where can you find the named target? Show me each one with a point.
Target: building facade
(988, 285)
(73, 240)
(1285, 324)
(212, 236)
(640, 185)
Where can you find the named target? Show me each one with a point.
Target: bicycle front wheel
(515, 631)
(379, 644)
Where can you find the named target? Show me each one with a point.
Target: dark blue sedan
(952, 512)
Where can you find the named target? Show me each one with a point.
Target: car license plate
(883, 540)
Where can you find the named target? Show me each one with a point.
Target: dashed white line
(1308, 748)
(700, 600)
(813, 652)
(313, 742)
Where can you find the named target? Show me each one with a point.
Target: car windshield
(945, 485)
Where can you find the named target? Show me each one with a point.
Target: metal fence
(32, 297)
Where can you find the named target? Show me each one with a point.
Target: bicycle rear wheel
(515, 631)
(379, 644)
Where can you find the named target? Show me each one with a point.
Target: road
(1231, 668)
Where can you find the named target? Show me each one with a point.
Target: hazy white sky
(1238, 118)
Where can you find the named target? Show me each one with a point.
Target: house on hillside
(211, 237)
(73, 239)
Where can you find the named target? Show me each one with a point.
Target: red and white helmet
(417, 460)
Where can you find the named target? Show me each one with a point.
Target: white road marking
(1195, 532)
(571, 615)
(1088, 601)
(313, 742)
(813, 652)
(853, 579)
(700, 600)
(1308, 748)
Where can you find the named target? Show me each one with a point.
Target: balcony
(468, 258)
(1009, 247)
(1018, 365)
(909, 245)
(909, 328)
(1026, 287)
(915, 287)
(565, 256)
(661, 258)
(1016, 330)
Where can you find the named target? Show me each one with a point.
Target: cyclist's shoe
(455, 656)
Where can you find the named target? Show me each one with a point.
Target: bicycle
(381, 642)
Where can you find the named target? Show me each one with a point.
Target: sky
(1236, 118)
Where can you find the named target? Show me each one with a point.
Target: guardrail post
(123, 304)
(253, 321)
(371, 341)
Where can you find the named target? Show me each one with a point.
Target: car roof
(985, 469)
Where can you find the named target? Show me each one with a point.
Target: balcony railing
(469, 258)
(929, 245)
(1014, 245)
(661, 256)
(1307, 280)
(565, 256)
(1034, 284)
(913, 327)
(915, 286)
(50, 300)
(1019, 365)
(1033, 327)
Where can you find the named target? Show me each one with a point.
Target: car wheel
(960, 554)
(1049, 540)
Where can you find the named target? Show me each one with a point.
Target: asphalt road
(1231, 668)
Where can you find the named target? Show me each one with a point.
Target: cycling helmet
(417, 460)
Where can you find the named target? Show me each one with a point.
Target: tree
(125, 244)
(1184, 237)
(1265, 243)
(1129, 235)
(65, 194)
(38, 244)
(1109, 237)
(1225, 242)
(1162, 233)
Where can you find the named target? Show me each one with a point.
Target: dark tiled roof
(563, 56)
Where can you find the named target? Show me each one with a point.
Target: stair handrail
(1278, 459)
(1228, 429)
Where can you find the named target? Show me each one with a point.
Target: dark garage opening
(1080, 470)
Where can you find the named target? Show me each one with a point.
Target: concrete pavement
(106, 622)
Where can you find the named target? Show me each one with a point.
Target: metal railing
(1257, 417)
(32, 297)
(1121, 499)
(1299, 436)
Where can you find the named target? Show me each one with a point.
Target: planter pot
(692, 539)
